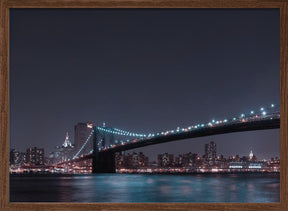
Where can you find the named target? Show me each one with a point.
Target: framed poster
(180, 99)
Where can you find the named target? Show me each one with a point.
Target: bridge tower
(103, 162)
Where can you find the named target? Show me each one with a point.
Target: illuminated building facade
(210, 152)
(131, 160)
(187, 159)
(16, 158)
(82, 131)
(67, 142)
(35, 156)
(165, 160)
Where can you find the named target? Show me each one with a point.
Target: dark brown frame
(4, 101)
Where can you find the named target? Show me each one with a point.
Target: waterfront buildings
(133, 162)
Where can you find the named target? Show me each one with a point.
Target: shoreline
(154, 173)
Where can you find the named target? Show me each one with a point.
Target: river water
(146, 188)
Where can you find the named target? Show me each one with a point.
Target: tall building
(16, 157)
(67, 142)
(66, 150)
(165, 160)
(13, 156)
(210, 152)
(128, 160)
(132, 160)
(62, 152)
(184, 159)
(252, 157)
(35, 156)
(143, 160)
(82, 131)
(119, 159)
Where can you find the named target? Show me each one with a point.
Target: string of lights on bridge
(263, 113)
(120, 132)
(83, 146)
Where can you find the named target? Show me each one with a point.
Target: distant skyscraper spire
(67, 143)
(251, 155)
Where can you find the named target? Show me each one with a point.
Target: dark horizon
(143, 70)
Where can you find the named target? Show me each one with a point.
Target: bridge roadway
(261, 124)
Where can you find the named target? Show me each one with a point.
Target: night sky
(143, 70)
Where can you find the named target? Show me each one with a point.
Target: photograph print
(144, 105)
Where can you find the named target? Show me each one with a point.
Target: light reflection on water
(146, 188)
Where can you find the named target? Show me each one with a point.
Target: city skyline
(67, 144)
(149, 73)
(33, 161)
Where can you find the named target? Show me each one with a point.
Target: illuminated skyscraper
(82, 131)
(16, 157)
(67, 142)
(251, 155)
(210, 152)
(35, 156)
(165, 160)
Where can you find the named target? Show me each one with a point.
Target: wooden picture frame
(282, 5)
